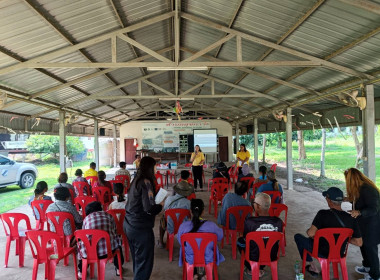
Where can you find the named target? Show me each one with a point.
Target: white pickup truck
(16, 173)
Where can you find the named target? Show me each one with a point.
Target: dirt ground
(303, 204)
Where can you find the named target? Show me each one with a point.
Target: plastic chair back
(103, 195)
(92, 179)
(81, 203)
(274, 167)
(72, 195)
(275, 195)
(90, 239)
(344, 234)
(125, 180)
(177, 221)
(118, 215)
(190, 239)
(255, 187)
(220, 180)
(11, 223)
(40, 206)
(82, 188)
(218, 191)
(159, 178)
(249, 181)
(239, 213)
(188, 165)
(43, 244)
(258, 237)
(276, 210)
(58, 219)
(192, 196)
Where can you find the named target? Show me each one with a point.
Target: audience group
(141, 210)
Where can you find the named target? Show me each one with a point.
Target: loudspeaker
(102, 132)
(190, 143)
(250, 128)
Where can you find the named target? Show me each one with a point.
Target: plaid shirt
(103, 221)
(122, 171)
(64, 206)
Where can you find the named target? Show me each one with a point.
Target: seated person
(272, 185)
(91, 171)
(197, 224)
(334, 217)
(61, 204)
(176, 201)
(221, 171)
(122, 170)
(103, 183)
(120, 201)
(263, 222)
(62, 182)
(231, 200)
(39, 194)
(245, 172)
(185, 176)
(79, 178)
(137, 161)
(263, 174)
(96, 218)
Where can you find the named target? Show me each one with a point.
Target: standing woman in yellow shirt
(242, 156)
(197, 158)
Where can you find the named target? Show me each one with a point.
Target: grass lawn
(13, 196)
(340, 155)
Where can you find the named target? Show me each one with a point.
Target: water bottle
(297, 270)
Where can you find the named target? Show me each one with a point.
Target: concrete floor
(303, 205)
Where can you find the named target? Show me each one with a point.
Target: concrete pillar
(289, 156)
(114, 146)
(256, 144)
(96, 143)
(369, 163)
(237, 136)
(62, 141)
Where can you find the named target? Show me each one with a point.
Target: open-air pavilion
(94, 66)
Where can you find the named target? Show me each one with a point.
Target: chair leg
(241, 265)
(17, 247)
(335, 270)
(304, 261)
(92, 270)
(255, 270)
(126, 248)
(209, 269)
(21, 251)
(216, 208)
(7, 249)
(102, 269)
(216, 277)
(233, 244)
(75, 265)
(209, 206)
(84, 270)
(325, 269)
(343, 269)
(47, 270)
(35, 269)
(273, 266)
(190, 272)
(52, 265)
(282, 245)
(120, 265)
(170, 241)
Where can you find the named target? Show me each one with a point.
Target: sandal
(160, 245)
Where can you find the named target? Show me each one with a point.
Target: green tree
(49, 144)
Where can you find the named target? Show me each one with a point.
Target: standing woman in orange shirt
(197, 158)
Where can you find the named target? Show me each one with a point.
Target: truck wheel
(27, 180)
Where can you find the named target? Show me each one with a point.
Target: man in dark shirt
(334, 217)
(263, 222)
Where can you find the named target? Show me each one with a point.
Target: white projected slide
(206, 139)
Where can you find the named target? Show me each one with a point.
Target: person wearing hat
(334, 217)
(176, 201)
(245, 172)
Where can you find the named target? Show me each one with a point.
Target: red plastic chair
(92, 179)
(250, 181)
(96, 235)
(171, 178)
(272, 238)
(240, 213)
(119, 215)
(126, 181)
(82, 188)
(159, 181)
(40, 206)
(11, 223)
(276, 210)
(47, 248)
(103, 195)
(233, 172)
(72, 196)
(192, 196)
(58, 227)
(255, 187)
(218, 191)
(273, 167)
(188, 165)
(177, 221)
(81, 203)
(275, 195)
(329, 234)
(190, 239)
(219, 180)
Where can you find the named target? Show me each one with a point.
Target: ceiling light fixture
(188, 68)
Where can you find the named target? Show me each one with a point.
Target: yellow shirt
(198, 158)
(242, 155)
(90, 172)
(137, 163)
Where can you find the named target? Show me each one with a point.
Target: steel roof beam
(364, 4)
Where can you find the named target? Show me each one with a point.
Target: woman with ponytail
(39, 194)
(197, 224)
(272, 184)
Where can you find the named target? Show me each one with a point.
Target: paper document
(160, 196)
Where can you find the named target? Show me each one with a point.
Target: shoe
(79, 275)
(312, 273)
(362, 269)
(117, 272)
(367, 277)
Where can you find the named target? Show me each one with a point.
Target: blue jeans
(302, 243)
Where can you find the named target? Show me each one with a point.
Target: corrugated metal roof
(25, 34)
